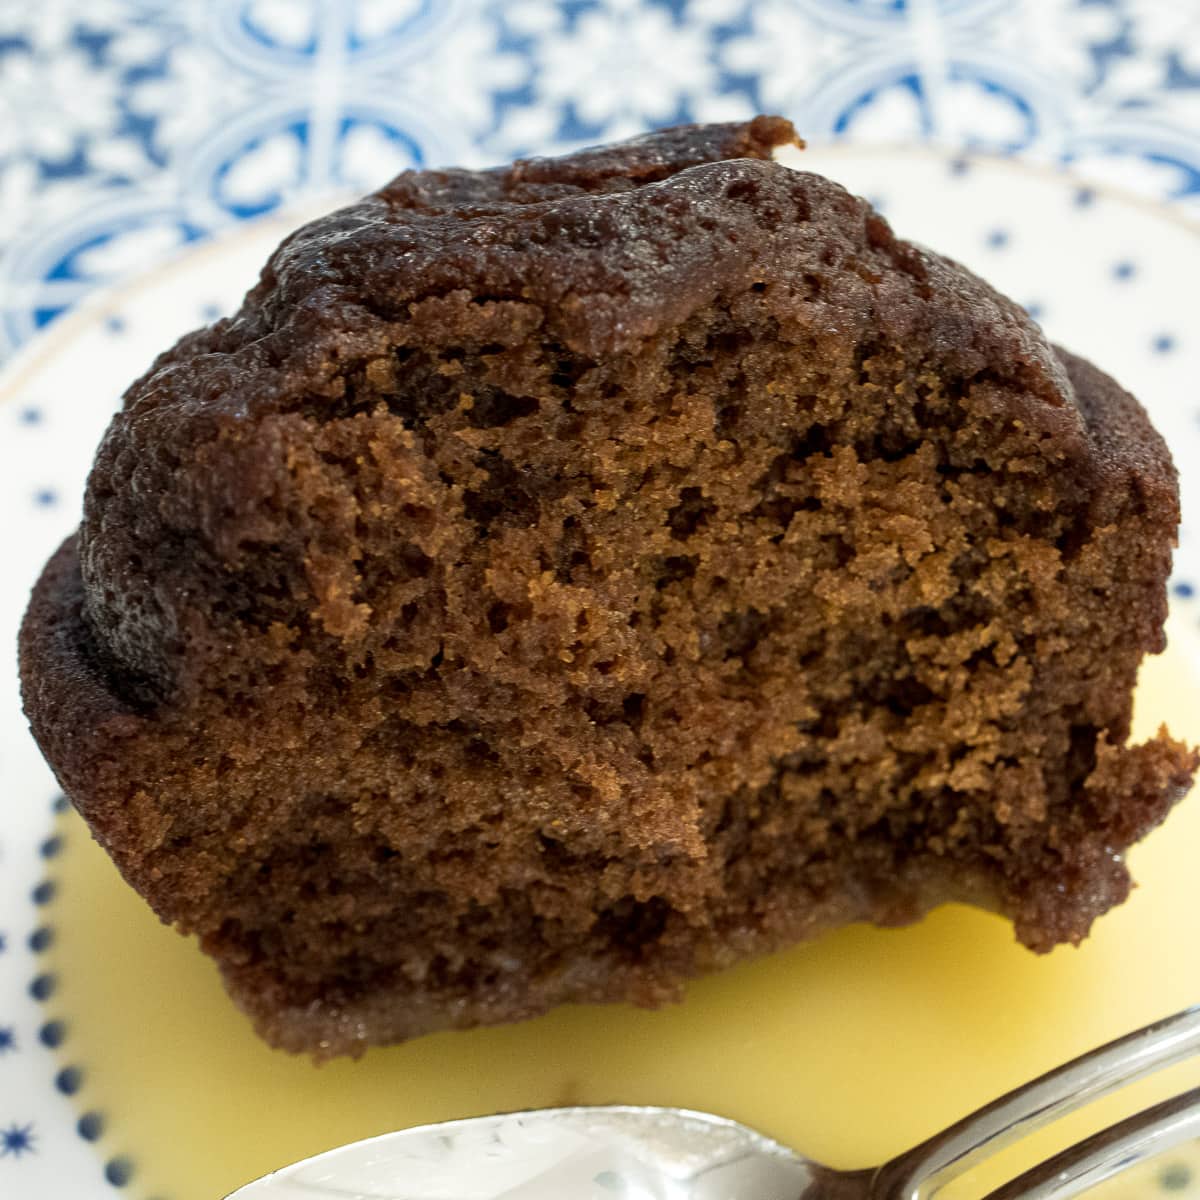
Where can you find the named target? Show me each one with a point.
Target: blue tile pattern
(160, 124)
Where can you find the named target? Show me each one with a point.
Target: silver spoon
(627, 1153)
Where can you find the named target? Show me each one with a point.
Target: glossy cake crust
(559, 581)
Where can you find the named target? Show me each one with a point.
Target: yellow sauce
(851, 1049)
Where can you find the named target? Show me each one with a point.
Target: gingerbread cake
(561, 580)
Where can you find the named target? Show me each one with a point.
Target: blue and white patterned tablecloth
(129, 127)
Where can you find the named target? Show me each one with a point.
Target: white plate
(1109, 277)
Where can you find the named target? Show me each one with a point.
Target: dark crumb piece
(558, 581)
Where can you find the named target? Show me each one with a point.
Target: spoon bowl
(644, 1153)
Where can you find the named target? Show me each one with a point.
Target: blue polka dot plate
(122, 1065)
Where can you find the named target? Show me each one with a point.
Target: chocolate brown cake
(562, 580)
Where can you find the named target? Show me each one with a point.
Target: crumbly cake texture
(559, 581)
